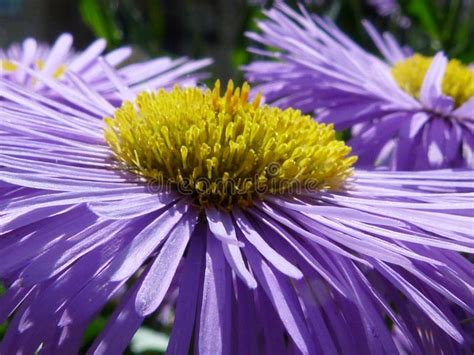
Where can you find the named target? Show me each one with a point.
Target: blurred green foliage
(97, 16)
(125, 21)
(442, 25)
(3, 326)
(215, 28)
(149, 341)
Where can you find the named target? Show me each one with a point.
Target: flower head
(61, 62)
(408, 111)
(224, 150)
(313, 270)
(457, 82)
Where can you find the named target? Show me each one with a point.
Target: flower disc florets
(9, 66)
(458, 81)
(225, 149)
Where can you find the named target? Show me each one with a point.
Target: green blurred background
(215, 29)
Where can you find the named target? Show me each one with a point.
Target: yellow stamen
(56, 74)
(7, 66)
(225, 149)
(458, 81)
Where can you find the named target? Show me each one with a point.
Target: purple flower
(61, 62)
(390, 8)
(407, 111)
(385, 7)
(269, 2)
(250, 211)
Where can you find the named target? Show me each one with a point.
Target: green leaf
(100, 20)
(451, 19)
(147, 339)
(94, 328)
(3, 326)
(425, 12)
(3, 329)
(463, 34)
(344, 135)
(240, 57)
(467, 56)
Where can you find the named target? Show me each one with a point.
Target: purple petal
(221, 223)
(268, 253)
(158, 279)
(186, 306)
(133, 256)
(284, 300)
(422, 301)
(121, 326)
(214, 323)
(431, 93)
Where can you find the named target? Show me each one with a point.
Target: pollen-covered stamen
(458, 81)
(56, 74)
(9, 66)
(225, 149)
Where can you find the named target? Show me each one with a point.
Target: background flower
(322, 71)
(62, 62)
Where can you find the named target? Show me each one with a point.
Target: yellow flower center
(57, 73)
(458, 81)
(8, 66)
(225, 149)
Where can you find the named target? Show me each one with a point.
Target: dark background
(215, 28)
(192, 28)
